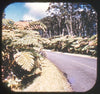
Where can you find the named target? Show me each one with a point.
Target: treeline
(78, 19)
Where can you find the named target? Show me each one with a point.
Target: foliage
(20, 56)
(30, 38)
(66, 18)
(22, 52)
(8, 23)
(73, 44)
(25, 60)
(37, 25)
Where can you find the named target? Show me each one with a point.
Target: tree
(55, 12)
(37, 25)
(79, 19)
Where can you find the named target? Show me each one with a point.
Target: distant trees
(78, 19)
(37, 25)
(7, 23)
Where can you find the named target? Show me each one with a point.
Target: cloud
(36, 11)
(28, 17)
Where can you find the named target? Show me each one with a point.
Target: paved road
(81, 71)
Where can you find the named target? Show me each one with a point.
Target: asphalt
(81, 71)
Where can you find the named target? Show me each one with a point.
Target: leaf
(25, 60)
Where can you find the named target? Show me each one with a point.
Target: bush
(73, 44)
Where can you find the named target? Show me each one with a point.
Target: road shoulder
(51, 80)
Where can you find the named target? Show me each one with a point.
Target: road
(81, 71)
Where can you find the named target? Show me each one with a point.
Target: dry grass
(51, 80)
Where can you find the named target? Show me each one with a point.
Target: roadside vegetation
(20, 57)
(22, 54)
(23, 62)
(73, 44)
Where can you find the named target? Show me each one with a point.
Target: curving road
(81, 71)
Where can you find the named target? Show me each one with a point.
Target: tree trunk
(71, 27)
(68, 29)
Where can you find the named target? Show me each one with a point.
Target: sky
(26, 11)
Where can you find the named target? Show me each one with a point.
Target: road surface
(81, 71)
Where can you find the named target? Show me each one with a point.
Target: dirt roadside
(51, 80)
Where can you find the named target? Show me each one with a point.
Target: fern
(25, 60)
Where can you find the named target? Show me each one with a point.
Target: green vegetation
(65, 18)
(20, 55)
(38, 25)
(73, 44)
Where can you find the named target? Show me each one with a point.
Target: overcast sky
(26, 11)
